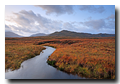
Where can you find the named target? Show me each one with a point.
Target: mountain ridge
(63, 33)
(38, 34)
(76, 34)
(11, 34)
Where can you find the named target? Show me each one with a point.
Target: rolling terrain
(63, 33)
(86, 56)
(11, 34)
(38, 34)
(66, 33)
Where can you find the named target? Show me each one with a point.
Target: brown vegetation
(17, 52)
(89, 57)
(93, 58)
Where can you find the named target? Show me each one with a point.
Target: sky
(26, 20)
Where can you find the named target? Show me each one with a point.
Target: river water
(37, 68)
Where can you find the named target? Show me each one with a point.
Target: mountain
(66, 33)
(11, 34)
(38, 34)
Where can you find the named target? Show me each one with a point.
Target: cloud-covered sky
(26, 20)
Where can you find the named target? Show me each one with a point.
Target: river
(37, 68)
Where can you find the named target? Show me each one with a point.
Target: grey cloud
(89, 18)
(58, 9)
(91, 8)
(29, 18)
(99, 24)
(110, 24)
(96, 24)
(43, 20)
(110, 21)
(20, 29)
(20, 19)
(68, 26)
(111, 17)
(29, 13)
(28, 21)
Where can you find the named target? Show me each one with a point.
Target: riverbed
(37, 68)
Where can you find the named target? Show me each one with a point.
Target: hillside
(38, 34)
(11, 34)
(75, 34)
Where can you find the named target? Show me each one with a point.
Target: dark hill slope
(66, 33)
(11, 34)
(38, 34)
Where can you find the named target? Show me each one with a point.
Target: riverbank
(37, 68)
(16, 53)
(89, 58)
(92, 58)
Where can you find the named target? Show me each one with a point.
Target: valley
(86, 57)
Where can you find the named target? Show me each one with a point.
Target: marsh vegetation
(88, 57)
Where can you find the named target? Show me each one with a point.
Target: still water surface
(37, 68)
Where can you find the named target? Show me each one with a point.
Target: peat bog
(89, 57)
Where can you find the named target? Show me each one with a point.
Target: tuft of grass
(52, 63)
(61, 69)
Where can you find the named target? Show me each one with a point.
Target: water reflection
(37, 68)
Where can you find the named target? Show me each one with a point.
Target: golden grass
(93, 58)
(16, 53)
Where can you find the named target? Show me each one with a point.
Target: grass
(93, 58)
(15, 54)
(88, 57)
(51, 62)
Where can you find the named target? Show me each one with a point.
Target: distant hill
(11, 34)
(66, 33)
(38, 34)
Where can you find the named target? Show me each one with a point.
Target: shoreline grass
(90, 58)
(15, 54)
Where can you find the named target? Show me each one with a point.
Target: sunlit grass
(90, 58)
(15, 54)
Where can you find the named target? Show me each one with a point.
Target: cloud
(21, 20)
(110, 21)
(57, 9)
(68, 26)
(29, 18)
(99, 24)
(92, 8)
(29, 22)
(96, 24)
(111, 17)
(110, 24)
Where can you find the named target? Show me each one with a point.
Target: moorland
(88, 57)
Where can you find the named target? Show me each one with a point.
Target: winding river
(37, 68)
